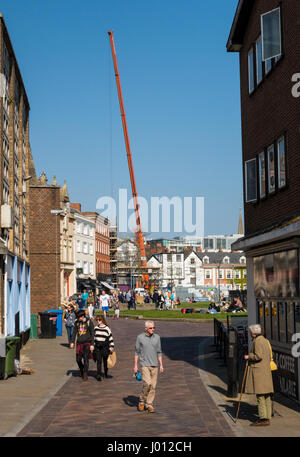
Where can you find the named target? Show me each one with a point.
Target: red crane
(145, 277)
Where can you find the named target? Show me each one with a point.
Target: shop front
(276, 290)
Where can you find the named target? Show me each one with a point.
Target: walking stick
(238, 408)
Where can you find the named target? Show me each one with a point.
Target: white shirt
(104, 299)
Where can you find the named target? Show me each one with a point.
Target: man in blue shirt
(84, 298)
(148, 353)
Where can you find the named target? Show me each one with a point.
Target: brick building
(44, 246)
(14, 177)
(51, 249)
(265, 34)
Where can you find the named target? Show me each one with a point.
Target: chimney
(76, 206)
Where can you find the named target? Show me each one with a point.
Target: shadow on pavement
(131, 401)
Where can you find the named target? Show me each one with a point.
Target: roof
(240, 21)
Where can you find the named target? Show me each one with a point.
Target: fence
(231, 342)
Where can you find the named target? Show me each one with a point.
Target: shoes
(85, 376)
(106, 375)
(141, 407)
(81, 373)
(260, 423)
(150, 409)
(98, 377)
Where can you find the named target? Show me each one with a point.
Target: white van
(140, 291)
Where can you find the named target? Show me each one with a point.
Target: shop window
(267, 320)
(281, 322)
(274, 323)
(290, 318)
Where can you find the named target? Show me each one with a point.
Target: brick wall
(270, 111)
(43, 243)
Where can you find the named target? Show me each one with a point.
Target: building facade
(264, 34)
(201, 272)
(102, 245)
(14, 177)
(84, 247)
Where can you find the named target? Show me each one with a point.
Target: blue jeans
(69, 332)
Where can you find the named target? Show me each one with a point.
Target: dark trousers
(101, 355)
(83, 366)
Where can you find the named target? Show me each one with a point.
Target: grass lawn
(152, 314)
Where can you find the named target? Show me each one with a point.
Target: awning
(108, 286)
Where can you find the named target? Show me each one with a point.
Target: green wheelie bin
(34, 326)
(11, 346)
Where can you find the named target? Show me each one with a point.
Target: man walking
(83, 334)
(148, 353)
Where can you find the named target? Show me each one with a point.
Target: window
(226, 260)
(228, 274)
(85, 268)
(178, 258)
(192, 261)
(78, 246)
(251, 180)
(262, 175)
(237, 274)
(85, 249)
(251, 70)
(205, 260)
(169, 257)
(192, 271)
(220, 274)
(271, 34)
(271, 169)
(91, 268)
(281, 162)
(178, 272)
(91, 249)
(268, 65)
(207, 274)
(259, 63)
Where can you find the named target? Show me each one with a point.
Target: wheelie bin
(59, 321)
(48, 324)
(11, 348)
(34, 326)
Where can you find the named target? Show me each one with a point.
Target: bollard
(232, 360)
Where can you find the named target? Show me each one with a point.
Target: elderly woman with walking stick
(259, 378)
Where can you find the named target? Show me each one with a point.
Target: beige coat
(259, 376)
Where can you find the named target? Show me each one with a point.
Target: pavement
(191, 399)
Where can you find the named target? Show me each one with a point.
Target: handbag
(273, 365)
(111, 360)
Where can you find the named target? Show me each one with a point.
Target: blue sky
(180, 89)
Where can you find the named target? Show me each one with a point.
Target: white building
(84, 246)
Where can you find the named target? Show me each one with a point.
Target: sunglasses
(151, 328)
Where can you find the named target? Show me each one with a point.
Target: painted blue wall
(17, 294)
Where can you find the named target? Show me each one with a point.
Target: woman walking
(70, 318)
(259, 377)
(104, 345)
(84, 336)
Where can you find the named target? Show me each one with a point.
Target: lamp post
(57, 212)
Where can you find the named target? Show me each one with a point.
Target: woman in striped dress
(104, 344)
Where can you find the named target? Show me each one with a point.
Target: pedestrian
(104, 300)
(84, 298)
(90, 299)
(79, 302)
(148, 353)
(128, 299)
(132, 301)
(69, 319)
(259, 377)
(91, 310)
(83, 334)
(104, 345)
(117, 310)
